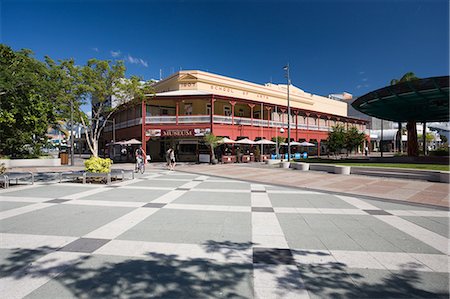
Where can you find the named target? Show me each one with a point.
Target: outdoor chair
(8, 176)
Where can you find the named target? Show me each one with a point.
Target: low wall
(30, 162)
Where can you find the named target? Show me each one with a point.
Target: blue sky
(331, 45)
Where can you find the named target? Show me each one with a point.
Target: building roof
(188, 92)
(422, 100)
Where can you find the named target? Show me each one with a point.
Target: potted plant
(212, 141)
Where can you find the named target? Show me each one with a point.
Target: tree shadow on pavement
(170, 276)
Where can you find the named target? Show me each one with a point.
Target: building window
(227, 111)
(241, 112)
(208, 109)
(188, 109)
(164, 112)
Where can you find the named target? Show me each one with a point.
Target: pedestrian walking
(172, 159)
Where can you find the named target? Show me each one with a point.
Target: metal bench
(8, 176)
(115, 173)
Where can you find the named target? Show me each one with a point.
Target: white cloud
(95, 49)
(362, 72)
(364, 79)
(115, 53)
(136, 60)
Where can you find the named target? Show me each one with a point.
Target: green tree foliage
(353, 139)
(413, 145)
(26, 109)
(100, 83)
(212, 140)
(336, 139)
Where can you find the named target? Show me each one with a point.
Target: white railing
(217, 119)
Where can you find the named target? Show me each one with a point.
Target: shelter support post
(424, 138)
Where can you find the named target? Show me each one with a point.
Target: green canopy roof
(422, 100)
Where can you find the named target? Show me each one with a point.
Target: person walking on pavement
(172, 159)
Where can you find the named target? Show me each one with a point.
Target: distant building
(189, 104)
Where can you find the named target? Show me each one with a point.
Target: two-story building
(189, 104)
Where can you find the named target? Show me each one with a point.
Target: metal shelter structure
(420, 100)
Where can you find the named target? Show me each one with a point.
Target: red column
(144, 113)
(307, 120)
(318, 122)
(177, 108)
(296, 124)
(212, 113)
(268, 116)
(232, 111)
(251, 113)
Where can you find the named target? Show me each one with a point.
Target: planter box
(342, 170)
(300, 166)
(31, 162)
(285, 164)
(272, 162)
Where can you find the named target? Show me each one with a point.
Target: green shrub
(98, 165)
(440, 152)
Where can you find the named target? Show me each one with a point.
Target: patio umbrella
(245, 141)
(132, 141)
(264, 141)
(293, 143)
(304, 143)
(226, 140)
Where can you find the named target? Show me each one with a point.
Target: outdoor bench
(8, 176)
(83, 175)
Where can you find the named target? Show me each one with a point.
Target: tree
(102, 82)
(443, 138)
(336, 140)
(278, 140)
(26, 108)
(212, 140)
(413, 145)
(353, 139)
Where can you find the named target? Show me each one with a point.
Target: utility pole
(71, 135)
(286, 68)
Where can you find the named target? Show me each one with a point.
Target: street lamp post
(71, 135)
(286, 68)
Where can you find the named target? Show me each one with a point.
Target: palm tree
(212, 141)
(413, 145)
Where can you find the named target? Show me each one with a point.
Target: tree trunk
(413, 145)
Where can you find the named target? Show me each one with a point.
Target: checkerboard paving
(179, 235)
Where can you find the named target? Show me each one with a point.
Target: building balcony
(217, 119)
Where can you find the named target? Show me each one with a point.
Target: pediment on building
(187, 77)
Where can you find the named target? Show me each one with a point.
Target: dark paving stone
(154, 205)
(112, 186)
(57, 200)
(258, 191)
(377, 212)
(198, 180)
(86, 245)
(273, 256)
(262, 209)
(183, 189)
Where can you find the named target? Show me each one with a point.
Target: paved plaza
(186, 235)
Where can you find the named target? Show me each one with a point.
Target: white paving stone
(105, 203)
(430, 238)
(24, 210)
(260, 200)
(399, 261)
(359, 203)
(436, 262)
(23, 199)
(117, 227)
(27, 241)
(357, 259)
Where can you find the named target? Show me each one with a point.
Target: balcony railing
(218, 119)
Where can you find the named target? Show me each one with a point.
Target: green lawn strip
(387, 165)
